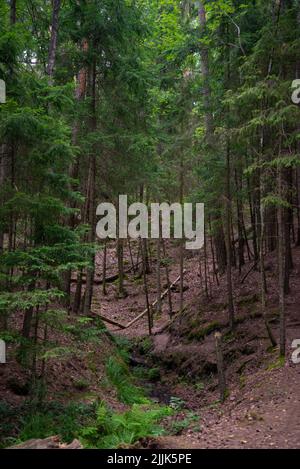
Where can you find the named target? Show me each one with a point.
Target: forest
(120, 341)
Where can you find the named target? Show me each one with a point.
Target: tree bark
(208, 116)
(13, 12)
(104, 268)
(158, 276)
(168, 280)
(263, 282)
(53, 40)
(91, 209)
(220, 365)
(148, 307)
(231, 313)
(281, 267)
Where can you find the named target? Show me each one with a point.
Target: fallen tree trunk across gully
(111, 279)
(142, 314)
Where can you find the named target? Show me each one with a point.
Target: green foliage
(176, 403)
(145, 345)
(199, 386)
(154, 374)
(145, 125)
(151, 374)
(51, 419)
(200, 333)
(279, 363)
(85, 329)
(111, 430)
(119, 376)
(81, 384)
(190, 421)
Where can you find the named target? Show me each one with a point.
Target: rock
(51, 442)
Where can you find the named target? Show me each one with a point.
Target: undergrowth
(112, 430)
(96, 425)
(22, 423)
(119, 376)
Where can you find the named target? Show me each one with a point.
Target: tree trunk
(168, 280)
(241, 240)
(53, 40)
(208, 116)
(13, 11)
(252, 218)
(78, 292)
(120, 256)
(158, 276)
(263, 282)
(181, 260)
(220, 365)
(215, 273)
(228, 242)
(298, 205)
(104, 268)
(149, 312)
(281, 267)
(209, 122)
(91, 208)
(205, 266)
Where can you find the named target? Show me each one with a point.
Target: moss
(200, 386)
(194, 323)
(248, 300)
(202, 332)
(242, 381)
(81, 384)
(255, 314)
(154, 374)
(144, 345)
(218, 306)
(91, 362)
(230, 336)
(138, 280)
(279, 363)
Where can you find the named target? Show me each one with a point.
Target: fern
(112, 430)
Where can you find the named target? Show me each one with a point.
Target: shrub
(118, 374)
(81, 384)
(50, 419)
(111, 430)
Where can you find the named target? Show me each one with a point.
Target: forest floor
(262, 409)
(263, 406)
(264, 414)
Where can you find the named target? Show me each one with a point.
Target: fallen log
(249, 272)
(143, 313)
(110, 321)
(155, 302)
(99, 281)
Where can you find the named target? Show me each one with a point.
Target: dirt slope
(263, 407)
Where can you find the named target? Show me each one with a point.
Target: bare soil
(263, 405)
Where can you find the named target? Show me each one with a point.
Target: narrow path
(267, 416)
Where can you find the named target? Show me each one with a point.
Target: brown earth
(262, 409)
